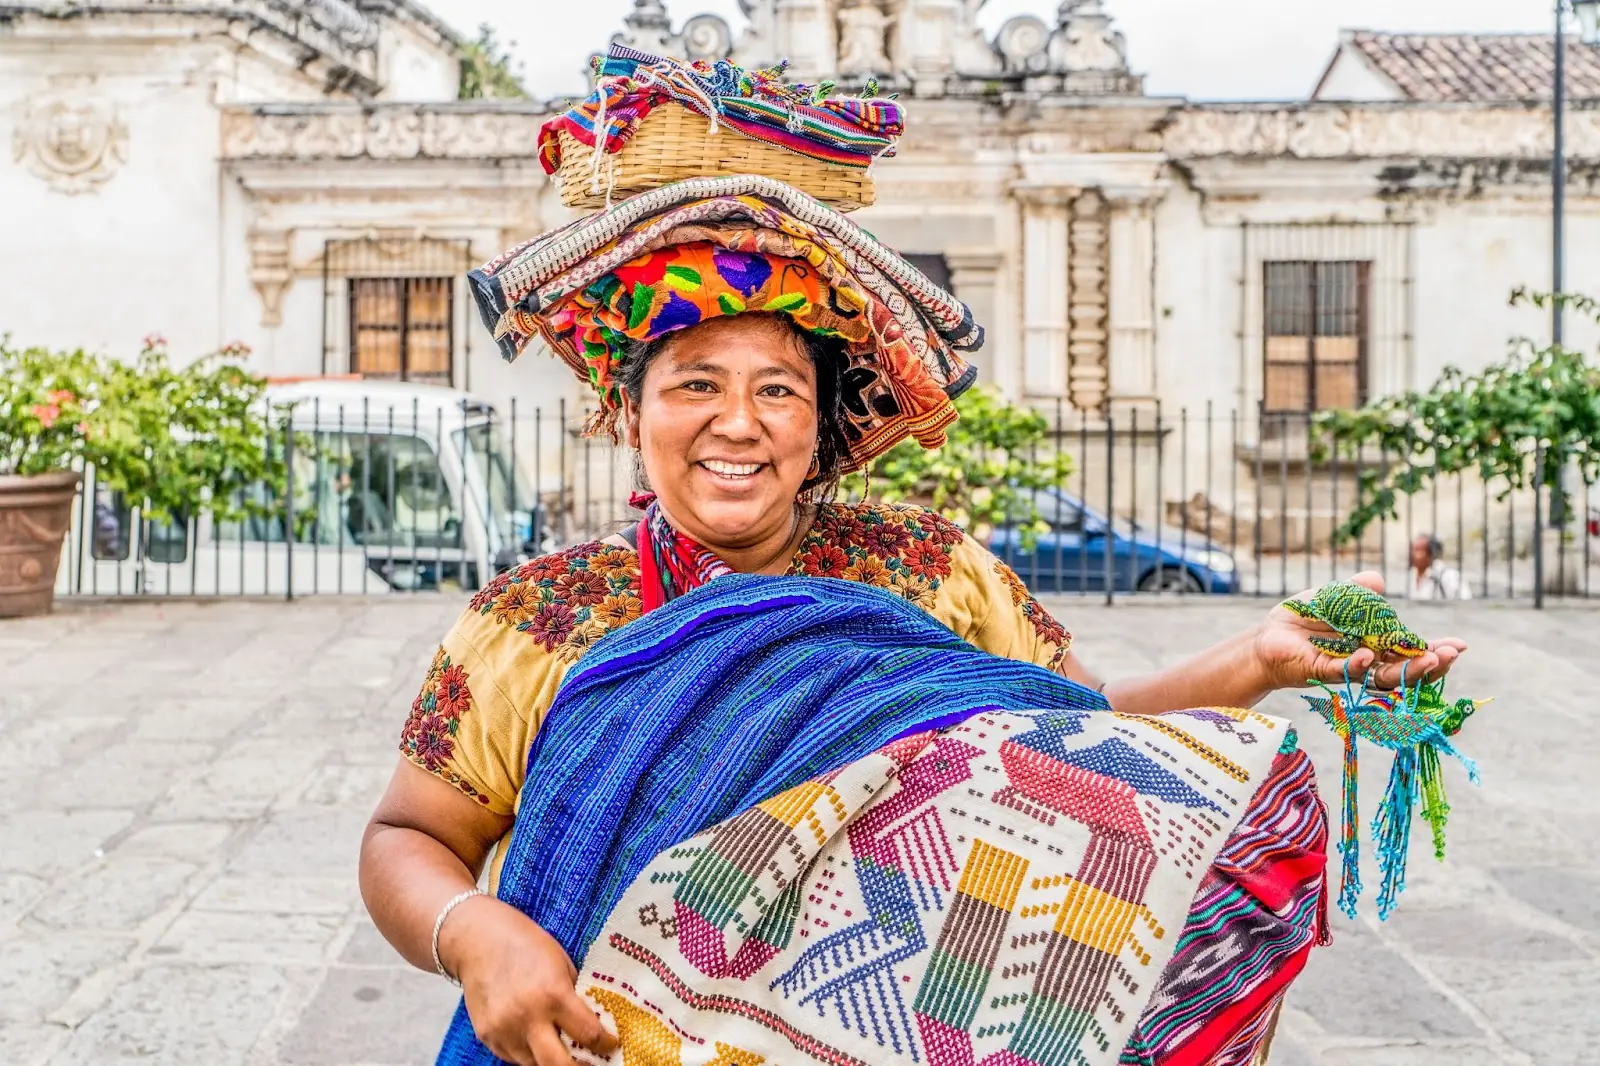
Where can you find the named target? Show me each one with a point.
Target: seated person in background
(1431, 577)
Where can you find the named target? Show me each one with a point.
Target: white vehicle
(394, 487)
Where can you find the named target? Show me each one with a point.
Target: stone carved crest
(73, 142)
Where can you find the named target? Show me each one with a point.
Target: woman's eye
(699, 386)
(777, 391)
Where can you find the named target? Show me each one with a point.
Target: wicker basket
(674, 143)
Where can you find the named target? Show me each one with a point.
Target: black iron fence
(387, 493)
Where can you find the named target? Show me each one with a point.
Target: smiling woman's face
(726, 424)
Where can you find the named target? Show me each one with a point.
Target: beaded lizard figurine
(1360, 617)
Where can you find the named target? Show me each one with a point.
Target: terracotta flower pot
(35, 513)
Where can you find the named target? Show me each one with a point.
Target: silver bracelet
(438, 924)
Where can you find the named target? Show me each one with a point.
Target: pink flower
(47, 413)
(62, 396)
(155, 340)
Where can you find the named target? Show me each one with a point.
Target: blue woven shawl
(728, 695)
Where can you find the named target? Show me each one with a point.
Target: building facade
(300, 177)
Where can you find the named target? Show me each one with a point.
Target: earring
(816, 468)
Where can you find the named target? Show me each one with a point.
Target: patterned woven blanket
(790, 820)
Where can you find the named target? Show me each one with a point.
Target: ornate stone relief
(70, 139)
(1321, 131)
(1087, 270)
(271, 271)
(399, 131)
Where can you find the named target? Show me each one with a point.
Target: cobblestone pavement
(185, 784)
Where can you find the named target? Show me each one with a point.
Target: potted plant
(172, 441)
(43, 396)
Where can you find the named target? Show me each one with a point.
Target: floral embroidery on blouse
(1043, 622)
(428, 738)
(567, 601)
(903, 549)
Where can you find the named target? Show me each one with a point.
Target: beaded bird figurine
(1415, 723)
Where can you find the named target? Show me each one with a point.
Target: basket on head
(673, 143)
(652, 121)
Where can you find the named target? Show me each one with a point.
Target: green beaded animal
(1361, 617)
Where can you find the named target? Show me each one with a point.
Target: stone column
(974, 277)
(1044, 289)
(1132, 247)
(1088, 375)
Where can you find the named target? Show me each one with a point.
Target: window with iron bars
(1317, 316)
(402, 328)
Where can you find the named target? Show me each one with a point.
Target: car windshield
(489, 453)
(1065, 514)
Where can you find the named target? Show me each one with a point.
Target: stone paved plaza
(185, 785)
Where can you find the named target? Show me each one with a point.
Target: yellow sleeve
(496, 674)
(988, 606)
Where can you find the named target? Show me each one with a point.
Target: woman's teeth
(722, 469)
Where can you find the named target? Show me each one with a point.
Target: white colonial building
(300, 176)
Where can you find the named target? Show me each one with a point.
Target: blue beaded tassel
(1415, 723)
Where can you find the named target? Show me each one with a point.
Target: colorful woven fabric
(905, 361)
(792, 821)
(757, 104)
(497, 670)
(683, 285)
(1259, 912)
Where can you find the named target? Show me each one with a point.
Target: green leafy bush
(173, 440)
(995, 458)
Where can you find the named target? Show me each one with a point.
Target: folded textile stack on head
(765, 775)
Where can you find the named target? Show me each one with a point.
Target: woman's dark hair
(828, 356)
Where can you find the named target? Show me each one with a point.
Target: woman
(737, 373)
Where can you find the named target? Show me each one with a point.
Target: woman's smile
(731, 472)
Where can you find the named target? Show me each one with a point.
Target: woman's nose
(737, 419)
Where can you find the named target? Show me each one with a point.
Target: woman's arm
(1277, 653)
(1223, 676)
(426, 844)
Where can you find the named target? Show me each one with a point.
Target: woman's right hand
(519, 985)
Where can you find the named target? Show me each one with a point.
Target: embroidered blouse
(496, 674)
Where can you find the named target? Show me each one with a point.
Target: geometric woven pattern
(1003, 892)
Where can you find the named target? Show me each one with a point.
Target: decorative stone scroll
(271, 271)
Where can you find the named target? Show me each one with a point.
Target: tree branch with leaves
(1521, 421)
(487, 70)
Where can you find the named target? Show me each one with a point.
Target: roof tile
(1461, 68)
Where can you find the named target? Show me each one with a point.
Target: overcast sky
(1233, 49)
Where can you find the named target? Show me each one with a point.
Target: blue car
(1081, 547)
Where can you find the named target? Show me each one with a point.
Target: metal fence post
(288, 506)
(1538, 524)
(1107, 553)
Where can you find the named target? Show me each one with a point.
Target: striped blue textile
(730, 694)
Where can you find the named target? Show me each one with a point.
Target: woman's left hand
(1288, 659)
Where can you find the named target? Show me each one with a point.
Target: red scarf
(670, 563)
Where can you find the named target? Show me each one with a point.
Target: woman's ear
(630, 421)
